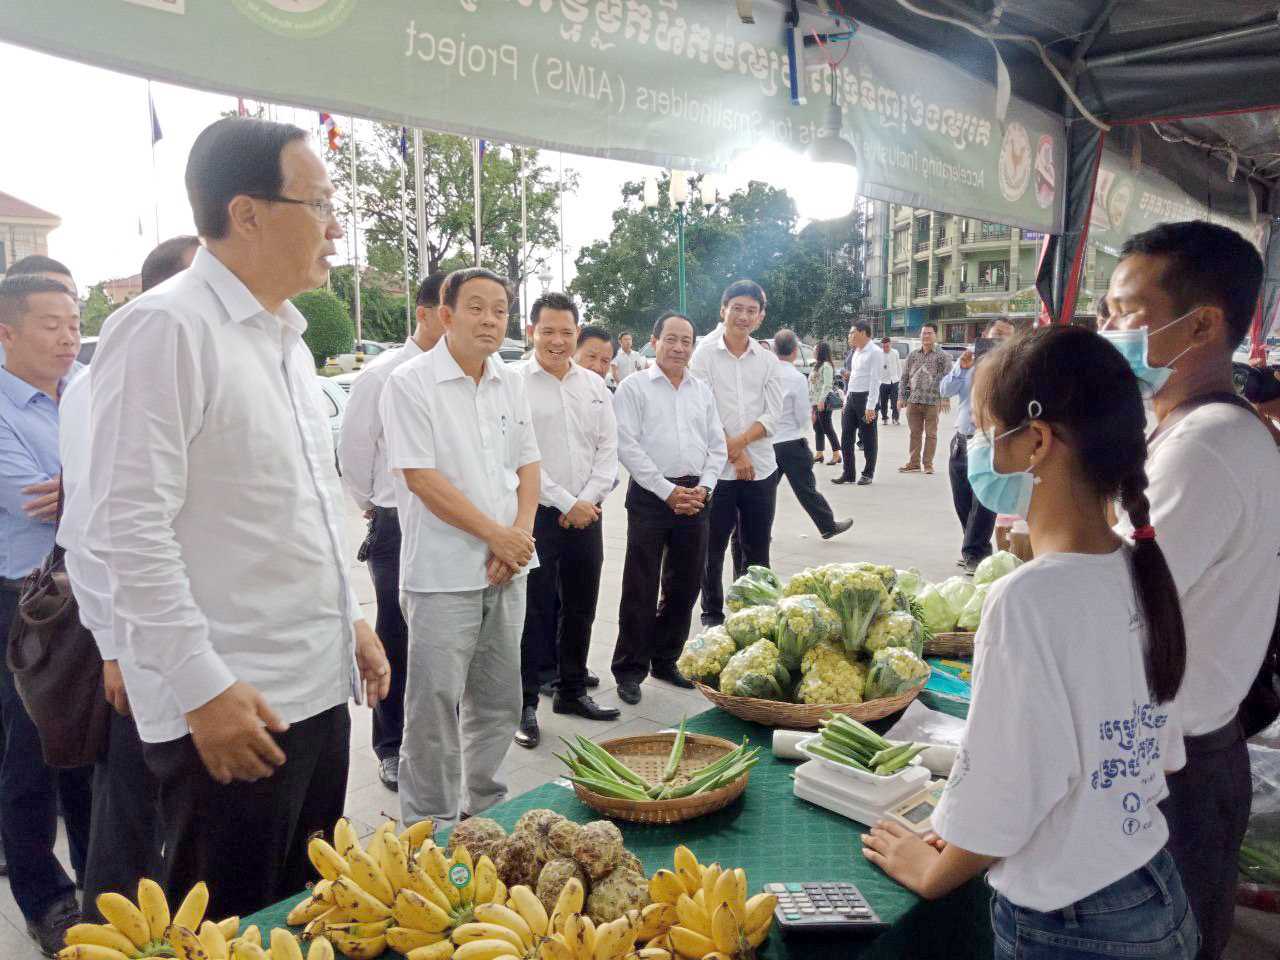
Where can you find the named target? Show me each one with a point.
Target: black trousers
(665, 550)
(248, 841)
(560, 605)
(125, 839)
(31, 793)
(1208, 813)
(888, 397)
(822, 428)
(854, 427)
(978, 522)
(383, 544)
(747, 505)
(795, 462)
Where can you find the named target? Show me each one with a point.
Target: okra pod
(677, 751)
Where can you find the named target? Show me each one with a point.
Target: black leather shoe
(840, 527)
(4, 863)
(389, 772)
(629, 692)
(584, 706)
(842, 480)
(50, 931)
(549, 688)
(712, 620)
(592, 681)
(527, 735)
(864, 481)
(673, 677)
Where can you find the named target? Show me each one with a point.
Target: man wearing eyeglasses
(217, 513)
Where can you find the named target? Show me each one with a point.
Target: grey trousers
(462, 700)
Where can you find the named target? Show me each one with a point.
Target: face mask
(1133, 346)
(1000, 492)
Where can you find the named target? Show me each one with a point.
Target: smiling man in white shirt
(578, 440)
(362, 453)
(747, 383)
(216, 511)
(460, 435)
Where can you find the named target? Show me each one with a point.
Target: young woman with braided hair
(1056, 788)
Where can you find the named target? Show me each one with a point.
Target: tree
(329, 330)
(96, 310)
(381, 312)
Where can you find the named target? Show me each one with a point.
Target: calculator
(823, 908)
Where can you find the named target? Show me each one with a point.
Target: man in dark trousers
(671, 443)
(790, 443)
(866, 367)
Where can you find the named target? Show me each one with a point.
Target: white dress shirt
(865, 374)
(748, 389)
(892, 370)
(668, 431)
(628, 363)
(795, 420)
(477, 435)
(215, 505)
(362, 445)
(576, 432)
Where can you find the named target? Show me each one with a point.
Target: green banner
(681, 83)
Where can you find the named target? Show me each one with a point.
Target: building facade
(957, 272)
(24, 230)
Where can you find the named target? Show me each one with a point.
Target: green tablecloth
(778, 838)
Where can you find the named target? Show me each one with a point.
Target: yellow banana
(91, 951)
(759, 910)
(609, 940)
(483, 950)
(709, 877)
(425, 887)
(725, 892)
(686, 865)
(363, 931)
(306, 911)
(418, 913)
(739, 903)
(316, 928)
(526, 903)
(717, 955)
(463, 856)
(214, 943)
(242, 949)
(469, 932)
(229, 927)
(504, 916)
(154, 907)
(436, 868)
(404, 939)
(354, 947)
(486, 880)
(186, 945)
(499, 892)
(284, 945)
(692, 916)
(320, 949)
(394, 862)
(651, 953)
(387, 826)
(121, 913)
(344, 836)
(436, 951)
(757, 936)
(328, 862)
(99, 935)
(663, 943)
(571, 898)
(724, 930)
(655, 920)
(690, 943)
(191, 911)
(366, 872)
(359, 904)
(415, 835)
(251, 935)
(665, 887)
(554, 948)
(589, 935)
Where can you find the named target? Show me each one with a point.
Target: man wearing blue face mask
(1180, 301)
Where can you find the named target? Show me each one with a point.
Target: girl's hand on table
(901, 854)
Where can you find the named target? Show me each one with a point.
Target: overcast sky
(77, 143)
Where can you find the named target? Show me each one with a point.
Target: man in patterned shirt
(921, 377)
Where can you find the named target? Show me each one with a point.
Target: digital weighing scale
(908, 798)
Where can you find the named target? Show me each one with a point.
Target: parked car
(87, 346)
(335, 406)
(512, 351)
(804, 363)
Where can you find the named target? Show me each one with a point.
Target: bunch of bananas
(399, 892)
(714, 920)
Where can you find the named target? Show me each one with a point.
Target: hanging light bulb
(826, 187)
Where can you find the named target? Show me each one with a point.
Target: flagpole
(563, 284)
(475, 183)
(404, 243)
(155, 192)
(419, 204)
(355, 244)
(524, 240)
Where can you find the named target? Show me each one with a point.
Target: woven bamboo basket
(805, 716)
(950, 645)
(647, 756)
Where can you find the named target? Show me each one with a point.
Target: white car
(335, 406)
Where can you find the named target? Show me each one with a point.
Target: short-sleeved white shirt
(1063, 760)
(477, 435)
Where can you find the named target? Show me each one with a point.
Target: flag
(241, 109)
(330, 126)
(156, 134)
(404, 144)
(483, 144)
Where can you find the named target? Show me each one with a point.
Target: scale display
(909, 800)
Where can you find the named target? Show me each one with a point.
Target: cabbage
(910, 582)
(759, 586)
(956, 591)
(994, 567)
(936, 611)
(971, 615)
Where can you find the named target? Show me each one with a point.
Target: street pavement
(901, 519)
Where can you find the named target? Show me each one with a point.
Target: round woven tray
(950, 645)
(647, 756)
(804, 716)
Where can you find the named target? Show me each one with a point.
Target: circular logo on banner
(1015, 162)
(297, 18)
(459, 875)
(1046, 179)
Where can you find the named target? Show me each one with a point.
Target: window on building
(993, 272)
(24, 243)
(4, 264)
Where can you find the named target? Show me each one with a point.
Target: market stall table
(777, 838)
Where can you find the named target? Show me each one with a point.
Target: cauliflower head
(802, 622)
(829, 675)
(857, 596)
(750, 624)
(895, 629)
(755, 671)
(705, 656)
(810, 580)
(894, 670)
(888, 575)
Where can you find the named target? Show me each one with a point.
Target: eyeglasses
(322, 210)
(737, 310)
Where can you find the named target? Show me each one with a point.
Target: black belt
(1225, 736)
(387, 511)
(684, 481)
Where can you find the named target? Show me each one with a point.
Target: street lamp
(545, 278)
(677, 197)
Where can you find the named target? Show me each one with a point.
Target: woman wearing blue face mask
(1080, 653)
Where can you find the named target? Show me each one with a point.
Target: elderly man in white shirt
(578, 439)
(216, 512)
(746, 381)
(460, 437)
(362, 454)
(672, 444)
(861, 397)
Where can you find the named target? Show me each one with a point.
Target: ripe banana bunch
(399, 892)
(142, 929)
(714, 919)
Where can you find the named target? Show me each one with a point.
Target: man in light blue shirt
(976, 520)
(40, 333)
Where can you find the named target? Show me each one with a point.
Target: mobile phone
(981, 346)
(1261, 385)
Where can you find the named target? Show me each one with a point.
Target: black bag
(1261, 705)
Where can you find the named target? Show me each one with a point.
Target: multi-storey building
(24, 230)
(958, 272)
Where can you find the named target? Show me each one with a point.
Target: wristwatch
(706, 491)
